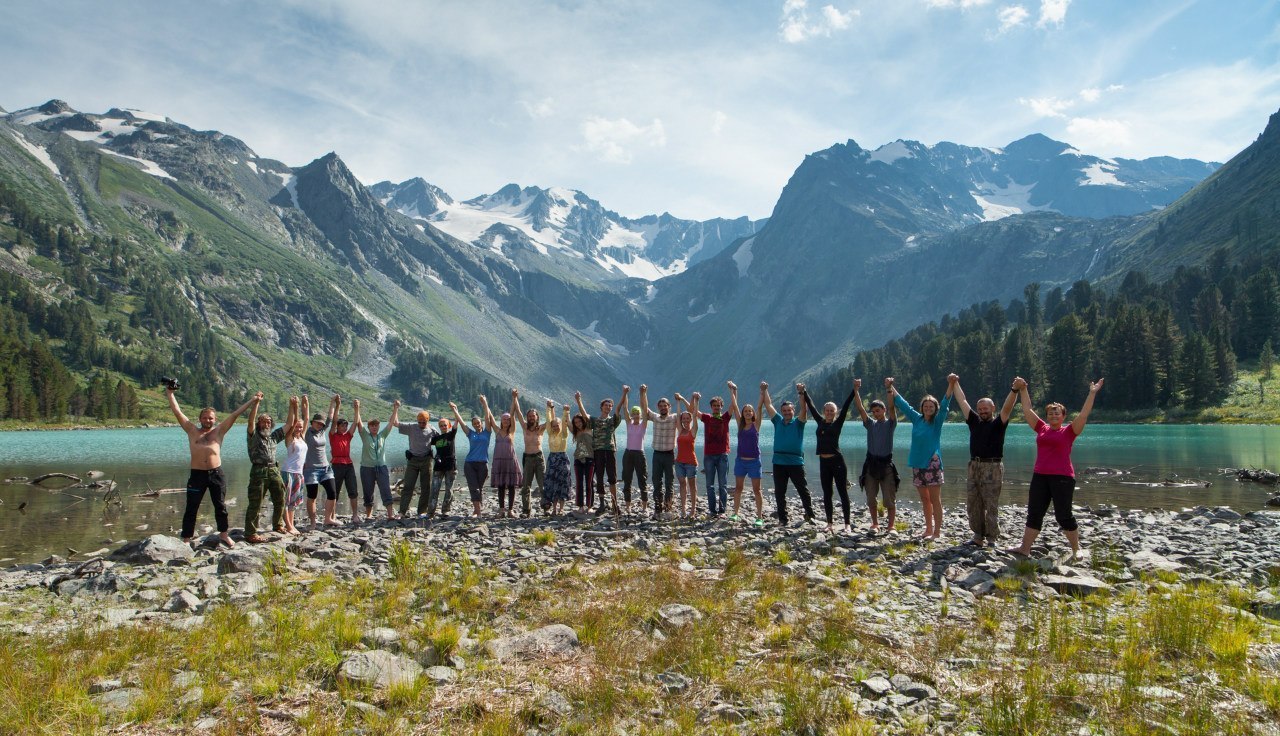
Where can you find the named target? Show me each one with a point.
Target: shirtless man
(534, 465)
(205, 440)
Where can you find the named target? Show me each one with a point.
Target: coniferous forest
(1160, 346)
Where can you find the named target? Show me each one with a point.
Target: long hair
(742, 418)
(936, 404)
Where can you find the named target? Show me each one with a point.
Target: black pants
(832, 471)
(782, 474)
(1056, 489)
(664, 478)
(606, 466)
(417, 472)
(583, 474)
(345, 475)
(633, 464)
(200, 481)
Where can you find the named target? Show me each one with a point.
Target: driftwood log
(1257, 475)
(47, 476)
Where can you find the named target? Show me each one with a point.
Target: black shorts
(606, 467)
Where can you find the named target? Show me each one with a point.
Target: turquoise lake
(141, 459)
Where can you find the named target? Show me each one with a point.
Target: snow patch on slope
(38, 152)
(890, 152)
(148, 167)
(591, 333)
(1000, 202)
(1101, 174)
(743, 256)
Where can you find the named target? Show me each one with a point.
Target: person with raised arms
(295, 457)
(665, 428)
(374, 471)
(686, 456)
(506, 471)
(445, 470)
(418, 465)
(925, 458)
(584, 459)
(986, 463)
(264, 475)
(475, 466)
(788, 451)
(603, 428)
(831, 466)
(533, 464)
(633, 463)
(1053, 479)
(316, 470)
(715, 456)
(344, 469)
(747, 464)
(205, 443)
(556, 490)
(879, 475)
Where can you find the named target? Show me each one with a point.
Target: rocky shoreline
(898, 589)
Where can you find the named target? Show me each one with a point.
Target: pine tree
(1068, 358)
(1266, 359)
(1198, 372)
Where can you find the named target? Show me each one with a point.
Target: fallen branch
(42, 478)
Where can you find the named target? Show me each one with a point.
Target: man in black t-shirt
(986, 462)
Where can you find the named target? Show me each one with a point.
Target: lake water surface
(141, 459)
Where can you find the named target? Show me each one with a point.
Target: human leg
(253, 508)
(842, 487)
(826, 476)
(780, 479)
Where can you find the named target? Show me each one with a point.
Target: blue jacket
(926, 437)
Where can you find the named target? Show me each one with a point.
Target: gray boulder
(1078, 586)
(241, 561)
(379, 669)
(553, 640)
(677, 616)
(157, 549)
(117, 701)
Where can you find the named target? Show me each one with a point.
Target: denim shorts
(316, 476)
(686, 470)
(746, 468)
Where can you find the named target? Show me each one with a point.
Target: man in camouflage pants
(986, 462)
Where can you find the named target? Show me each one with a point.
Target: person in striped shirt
(665, 426)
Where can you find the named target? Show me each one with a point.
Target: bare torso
(206, 447)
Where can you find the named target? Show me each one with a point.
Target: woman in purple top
(506, 471)
(1053, 479)
(747, 463)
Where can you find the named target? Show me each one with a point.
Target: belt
(976, 459)
(264, 465)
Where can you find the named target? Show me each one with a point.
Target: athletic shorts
(743, 468)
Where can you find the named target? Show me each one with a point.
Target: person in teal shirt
(788, 451)
(925, 458)
(373, 460)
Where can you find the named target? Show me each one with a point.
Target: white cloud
(718, 121)
(963, 4)
(1011, 16)
(1099, 133)
(538, 110)
(1052, 12)
(1048, 107)
(613, 140)
(797, 26)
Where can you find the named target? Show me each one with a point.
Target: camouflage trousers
(983, 499)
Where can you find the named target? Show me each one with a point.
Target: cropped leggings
(1055, 489)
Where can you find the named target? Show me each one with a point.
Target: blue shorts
(686, 470)
(316, 476)
(746, 468)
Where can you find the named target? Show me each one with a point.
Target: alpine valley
(185, 247)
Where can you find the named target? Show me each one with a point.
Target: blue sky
(702, 109)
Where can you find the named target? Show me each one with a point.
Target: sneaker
(759, 522)
(733, 518)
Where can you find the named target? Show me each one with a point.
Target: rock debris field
(586, 624)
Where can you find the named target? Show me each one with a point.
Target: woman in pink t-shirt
(1053, 479)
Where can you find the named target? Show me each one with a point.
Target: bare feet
(226, 539)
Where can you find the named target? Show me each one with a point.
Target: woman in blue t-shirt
(925, 458)
(476, 465)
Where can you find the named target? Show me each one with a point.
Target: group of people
(318, 456)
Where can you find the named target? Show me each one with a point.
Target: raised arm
(395, 414)
(488, 415)
(226, 424)
(305, 414)
(355, 415)
(291, 418)
(1028, 412)
(253, 412)
(1006, 411)
(901, 404)
(1077, 424)
(960, 399)
(551, 414)
(857, 399)
(804, 406)
(693, 410)
(577, 399)
(644, 402)
(733, 401)
(515, 408)
(177, 411)
(766, 401)
(457, 416)
(621, 406)
(334, 403)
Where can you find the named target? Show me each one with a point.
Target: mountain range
(318, 279)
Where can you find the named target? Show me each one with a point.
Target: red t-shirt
(716, 439)
(341, 446)
(684, 450)
(1053, 449)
